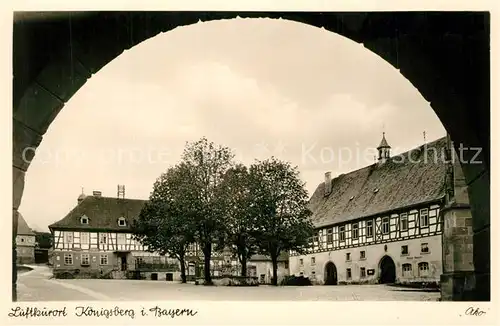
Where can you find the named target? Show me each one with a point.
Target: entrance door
(330, 274)
(123, 262)
(387, 270)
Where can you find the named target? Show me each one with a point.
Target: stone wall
(25, 254)
(94, 267)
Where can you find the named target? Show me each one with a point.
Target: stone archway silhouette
(444, 55)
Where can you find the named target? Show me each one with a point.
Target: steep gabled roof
(102, 213)
(22, 226)
(404, 180)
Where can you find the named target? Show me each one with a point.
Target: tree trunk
(183, 270)
(207, 253)
(274, 278)
(243, 265)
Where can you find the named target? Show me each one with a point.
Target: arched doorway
(387, 270)
(330, 274)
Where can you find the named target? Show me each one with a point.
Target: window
(403, 222)
(68, 237)
(68, 259)
(84, 238)
(84, 220)
(342, 233)
(85, 260)
(301, 262)
(423, 269)
(424, 218)
(316, 236)
(348, 256)
(103, 238)
(313, 275)
(301, 274)
(404, 250)
(424, 248)
(362, 254)
(385, 225)
(22, 239)
(329, 236)
(349, 275)
(286, 264)
(122, 222)
(369, 228)
(104, 259)
(313, 260)
(355, 231)
(120, 238)
(362, 272)
(407, 270)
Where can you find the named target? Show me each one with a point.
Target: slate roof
(102, 212)
(22, 226)
(404, 180)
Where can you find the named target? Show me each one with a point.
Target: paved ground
(36, 285)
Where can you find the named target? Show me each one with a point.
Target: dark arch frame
(441, 53)
(386, 276)
(330, 274)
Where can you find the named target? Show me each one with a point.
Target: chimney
(121, 191)
(328, 183)
(96, 193)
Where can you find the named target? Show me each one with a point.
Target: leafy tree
(43, 239)
(207, 164)
(164, 224)
(239, 223)
(280, 209)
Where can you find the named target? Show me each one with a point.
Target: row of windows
(85, 259)
(423, 270)
(121, 221)
(403, 226)
(84, 237)
(424, 248)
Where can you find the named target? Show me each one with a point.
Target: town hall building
(381, 223)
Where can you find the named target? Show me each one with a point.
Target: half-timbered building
(95, 240)
(381, 223)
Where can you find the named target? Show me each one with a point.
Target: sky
(261, 87)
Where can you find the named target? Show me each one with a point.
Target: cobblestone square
(37, 285)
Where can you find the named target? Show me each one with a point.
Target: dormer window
(84, 220)
(122, 222)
